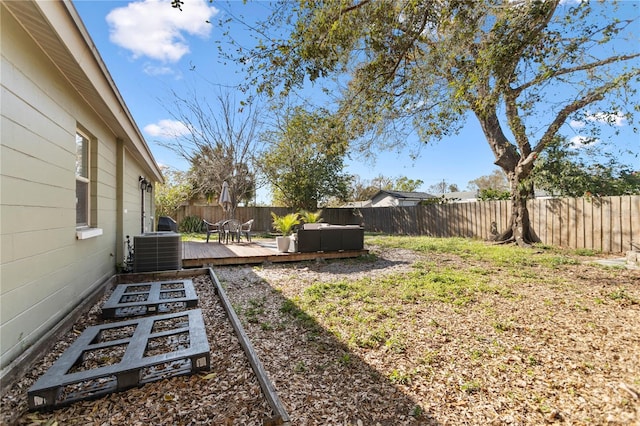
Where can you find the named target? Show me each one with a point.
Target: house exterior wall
(45, 270)
(384, 201)
(406, 203)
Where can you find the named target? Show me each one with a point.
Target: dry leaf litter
(561, 352)
(227, 394)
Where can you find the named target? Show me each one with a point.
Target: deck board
(200, 254)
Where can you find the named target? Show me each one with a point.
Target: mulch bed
(229, 393)
(564, 351)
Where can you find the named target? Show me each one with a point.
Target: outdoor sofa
(314, 237)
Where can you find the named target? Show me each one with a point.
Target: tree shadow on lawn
(317, 377)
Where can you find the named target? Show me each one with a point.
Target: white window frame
(83, 176)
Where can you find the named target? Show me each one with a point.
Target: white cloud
(576, 124)
(167, 129)
(150, 69)
(578, 142)
(617, 118)
(154, 29)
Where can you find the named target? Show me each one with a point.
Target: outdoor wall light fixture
(145, 185)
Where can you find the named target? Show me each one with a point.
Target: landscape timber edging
(281, 416)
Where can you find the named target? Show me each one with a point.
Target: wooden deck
(201, 254)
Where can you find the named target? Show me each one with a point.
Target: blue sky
(151, 49)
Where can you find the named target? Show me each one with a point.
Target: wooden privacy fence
(607, 224)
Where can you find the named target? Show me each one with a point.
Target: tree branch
(354, 7)
(592, 96)
(563, 71)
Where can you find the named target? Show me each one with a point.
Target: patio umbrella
(225, 197)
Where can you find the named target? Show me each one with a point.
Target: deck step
(151, 297)
(117, 356)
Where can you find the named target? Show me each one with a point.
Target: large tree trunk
(519, 229)
(511, 162)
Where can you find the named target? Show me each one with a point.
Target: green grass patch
(621, 295)
(373, 312)
(291, 308)
(364, 312)
(193, 236)
(400, 377)
(254, 310)
(498, 254)
(471, 386)
(587, 252)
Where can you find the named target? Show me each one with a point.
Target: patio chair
(245, 229)
(213, 228)
(229, 230)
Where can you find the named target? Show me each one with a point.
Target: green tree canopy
(175, 191)
(521, 68)
(405, 184)
(304, 160)
(363, 189)
(575, 171)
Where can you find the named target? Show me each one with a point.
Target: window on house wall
(86, 187)
(82, 180)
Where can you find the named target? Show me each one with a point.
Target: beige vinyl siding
(132, 199)
(44, 270)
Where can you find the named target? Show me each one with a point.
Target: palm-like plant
(310, 217)
(285, 224)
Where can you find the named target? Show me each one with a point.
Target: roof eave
(57, 28)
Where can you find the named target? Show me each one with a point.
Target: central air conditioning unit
(157, 251)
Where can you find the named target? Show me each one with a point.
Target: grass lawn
(447, 331)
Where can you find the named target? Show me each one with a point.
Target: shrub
(191, 224)
(310, 217)
(285, 224)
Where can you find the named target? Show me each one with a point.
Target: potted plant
(310, 217)
(284, 224)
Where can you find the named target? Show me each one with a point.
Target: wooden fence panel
(625, 223)
(578, 239)
(634, 228)
(477, 220)
(494, 224)
(548, 222)
(420, 216)
(460, 219)
(605, 235)
(572, 222)
(608, 224)
(597, 223)
(534, 216)
(557, 222)
(589, 224)
(549, 207)
(454, 220)
(468, 220)
(564, 220)
(616, 224)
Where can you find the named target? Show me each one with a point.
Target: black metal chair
(213, 228)
(230, 230)
(245, 229)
